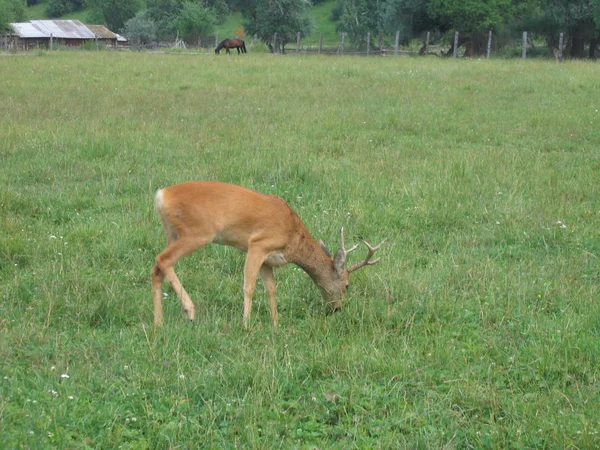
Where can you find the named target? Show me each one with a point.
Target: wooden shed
(50, 33)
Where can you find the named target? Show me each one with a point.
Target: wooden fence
(379, 45)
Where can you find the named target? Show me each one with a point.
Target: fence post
(427, 44)
(343, 38)
(560, 47)
(51, 41)
(320, 43)
(396, 43)
(524, 53)
(455, 50)
(489, 46)
(297, 42)
(216, 39)
(368, 43)
(275, 49)
(96, 37)
(380, 43)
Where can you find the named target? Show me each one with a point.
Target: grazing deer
(197, 213)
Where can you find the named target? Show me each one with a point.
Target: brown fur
(198, 213)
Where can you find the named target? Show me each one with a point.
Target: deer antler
(342, 242)
(366, 261)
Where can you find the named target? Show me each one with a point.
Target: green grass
(479, 328)
(321, 17)
(38, 12)
(228, 29)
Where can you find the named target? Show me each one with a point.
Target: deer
(197, 213)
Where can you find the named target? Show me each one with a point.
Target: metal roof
(65, 29)
(27, 30)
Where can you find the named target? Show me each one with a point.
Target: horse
(231, 43)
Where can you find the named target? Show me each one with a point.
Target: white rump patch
(158, 200)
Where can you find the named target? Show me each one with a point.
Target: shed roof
(65, 29)
(102, 32)
(27, 30)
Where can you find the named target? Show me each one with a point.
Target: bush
(140, 29)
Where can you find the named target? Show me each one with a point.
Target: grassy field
(480, 328)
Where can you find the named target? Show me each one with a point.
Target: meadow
(479, 328)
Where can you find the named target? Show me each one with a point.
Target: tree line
(144, 21)
(579, 20)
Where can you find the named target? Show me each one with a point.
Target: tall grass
(479, 328)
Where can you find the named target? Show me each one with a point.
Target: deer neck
(311, 258)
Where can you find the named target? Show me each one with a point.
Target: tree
(140, 29)
(358, 17)
(57, 8)
(409, 17)
(473, 18)
(164, 14)
(284, 17)
(11, 11)
(579, 19)
(220, 8)
(113, 13)
(195, 21)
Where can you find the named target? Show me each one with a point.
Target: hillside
(320, 14)
(39, 12)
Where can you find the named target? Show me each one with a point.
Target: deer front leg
(254, 261)
(268, 279)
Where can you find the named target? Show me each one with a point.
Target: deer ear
(324, 248)
(339, 261)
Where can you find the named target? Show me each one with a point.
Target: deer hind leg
(164, 269)
(268, 279)
(157, 280)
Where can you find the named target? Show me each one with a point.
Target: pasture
(479, 328)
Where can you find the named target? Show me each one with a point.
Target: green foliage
(11, 11)
(195, 21)
(113, 13)
(57, 8)
(407, 16)
(359, 17)
(140, 30)
(479, 328)
(220, 8)
(284, 17)
(472, 15)
(164, 14)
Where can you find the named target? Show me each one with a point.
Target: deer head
(335, 287)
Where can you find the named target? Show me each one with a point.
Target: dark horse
(231, 43)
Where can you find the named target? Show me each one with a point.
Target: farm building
(50, 33)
